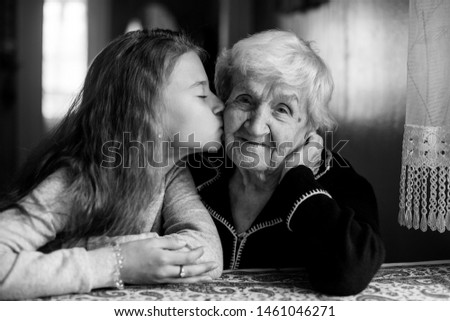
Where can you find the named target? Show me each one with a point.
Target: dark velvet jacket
(327, 223)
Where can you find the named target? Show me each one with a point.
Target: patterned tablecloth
(417, 281)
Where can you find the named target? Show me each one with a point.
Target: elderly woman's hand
(309, 155)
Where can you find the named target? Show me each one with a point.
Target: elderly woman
(284, 201)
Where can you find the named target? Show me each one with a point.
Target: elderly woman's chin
(252, 159)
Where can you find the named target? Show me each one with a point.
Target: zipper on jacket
(241, 238)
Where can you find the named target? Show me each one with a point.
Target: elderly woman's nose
(217, 105)
(257, 124)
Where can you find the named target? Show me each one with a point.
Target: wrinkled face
(263, 124)
(194, 113)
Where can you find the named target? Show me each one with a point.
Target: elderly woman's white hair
(280, 57)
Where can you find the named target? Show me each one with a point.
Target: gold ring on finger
(182, 273)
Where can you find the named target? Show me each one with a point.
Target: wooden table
(409, 281)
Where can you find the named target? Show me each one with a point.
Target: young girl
(107, 174)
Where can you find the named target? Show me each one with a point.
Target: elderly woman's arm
(336, 216)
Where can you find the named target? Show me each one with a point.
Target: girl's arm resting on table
(346, 249)
(187, 219)
(31, 274)
(27, 273)
(96, 242)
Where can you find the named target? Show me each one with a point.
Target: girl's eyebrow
(201, 83)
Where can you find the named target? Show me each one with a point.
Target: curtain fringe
(425, 179)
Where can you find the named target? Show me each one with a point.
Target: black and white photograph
(242, 159)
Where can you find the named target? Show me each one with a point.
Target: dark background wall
(364, 42)
(199, 18)
(21, 125)
(8, 56)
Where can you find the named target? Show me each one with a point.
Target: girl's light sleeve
(26, 272)
(186, 218)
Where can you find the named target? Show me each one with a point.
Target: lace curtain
(425, 173)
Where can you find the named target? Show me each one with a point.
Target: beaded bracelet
(119, 265)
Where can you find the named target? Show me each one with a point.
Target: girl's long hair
(120, 96)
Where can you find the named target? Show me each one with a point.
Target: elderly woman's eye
(244, 99)
(283, 109)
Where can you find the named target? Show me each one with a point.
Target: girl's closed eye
(203, 94)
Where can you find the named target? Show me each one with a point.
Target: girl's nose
(217, 105)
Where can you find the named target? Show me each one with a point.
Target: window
(65, 52)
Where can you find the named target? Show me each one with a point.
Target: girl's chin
(212, 146)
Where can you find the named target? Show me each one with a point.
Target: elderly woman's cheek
(233, 118)
(289, 138)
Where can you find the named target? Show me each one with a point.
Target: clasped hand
(159, 260)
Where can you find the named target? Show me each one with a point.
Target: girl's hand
(157, 260)
(309, 155)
